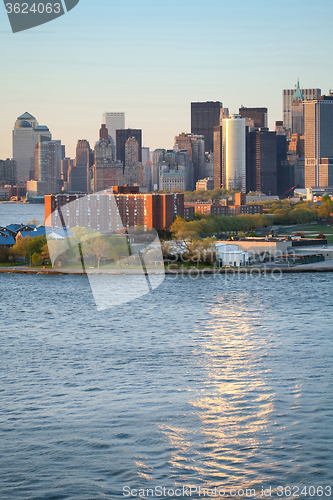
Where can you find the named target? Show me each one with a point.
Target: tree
(99, 247)
(4, 252)
(45, 255)
(20, 248)
(36, 244)
(178, 224)
(35, 258)
(56, 248)
(326, 208)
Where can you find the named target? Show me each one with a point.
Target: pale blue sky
(152, 58)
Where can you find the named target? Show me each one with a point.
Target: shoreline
(186, 272)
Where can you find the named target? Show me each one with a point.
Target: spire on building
(298, 92)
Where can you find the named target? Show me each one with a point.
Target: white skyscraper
(113, 122)
(234, 153)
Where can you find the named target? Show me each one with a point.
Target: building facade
(288, 96)
(111, 211)
(26, 134)
(204, 117)
(257, 115)
(233, 153)
(318, 123)
(121, 138)
(8, 173)
(133, 171)
(114, 122)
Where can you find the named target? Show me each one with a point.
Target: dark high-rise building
(204, 117)
(219, 181)
(285, 169)
(266, 163)
(261, 159)
(121, 139)
(251, 152)
(258, 115)
(8, 174)
(81, 171)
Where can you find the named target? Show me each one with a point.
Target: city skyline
(68, 79)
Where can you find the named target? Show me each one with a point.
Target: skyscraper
(261, 160)
(288, 95)
(297, 112)
(318, 124)
(133, 172)
(121, 138)
(195, 145)
(266, 162)
(26, 134)
(234, 153)
(229, 154)
(219, 179)
(113, 122)
(106, 171)
(258, 115)
(204, 117)
(47, 162)
(80, 172)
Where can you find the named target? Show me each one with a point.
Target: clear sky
(151, 58)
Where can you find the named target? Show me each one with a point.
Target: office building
(26, 134)
(81, 170)
(230, 154)
(285, 171)
(204, 117)
(219, 179)
(156, 157)
(206, 184)
(24, 145)
(47, 168)
(106, 174)
(121, 138)
(318, 124)
(175, 171)
(8, 173)
(288, 96)
(113, 122)
(106, 171)
(326, 172)
(261, 160)
(257, 115)
(195, 145)
(133, 171)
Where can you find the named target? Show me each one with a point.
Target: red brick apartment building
(225, 208)
(122, 206)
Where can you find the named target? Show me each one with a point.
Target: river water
(206, 383)
(21, 213)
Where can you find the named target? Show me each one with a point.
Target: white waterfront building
(230, 255)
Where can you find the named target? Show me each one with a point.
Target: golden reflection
(232, 404)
